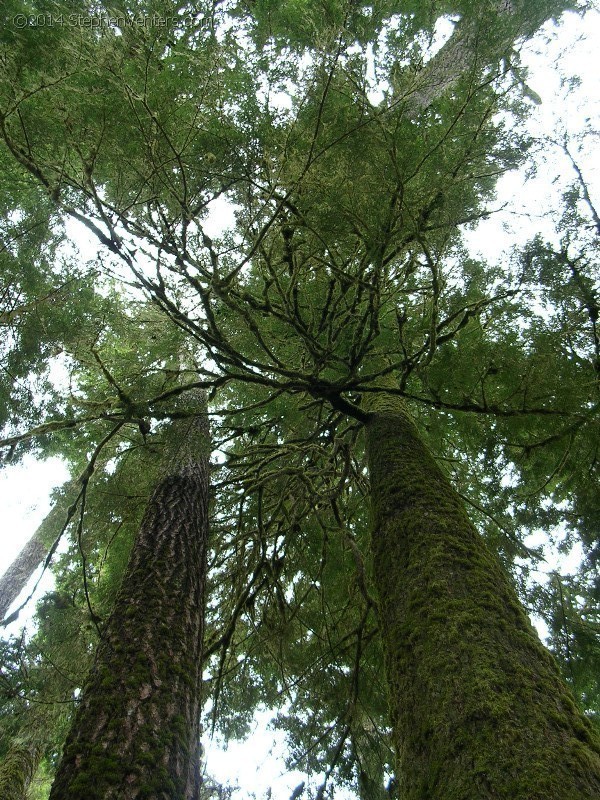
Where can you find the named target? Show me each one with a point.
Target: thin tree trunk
(136, 731)
(478, 707)
(484, 36)
(14, 580)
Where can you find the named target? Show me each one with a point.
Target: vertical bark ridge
(478, 707)
(136, 731)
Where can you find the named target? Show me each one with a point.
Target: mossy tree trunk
(17, 770)
(136, 730)
(478, 707)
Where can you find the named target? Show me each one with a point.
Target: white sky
(24, 488)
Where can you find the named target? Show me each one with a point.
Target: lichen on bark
(477, 704)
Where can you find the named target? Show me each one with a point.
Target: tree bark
(478, 707)
(33, 553)
(14, 580)
(136, 730)
(480, 38)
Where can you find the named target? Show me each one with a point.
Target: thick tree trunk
(136, 731)
(478, 707)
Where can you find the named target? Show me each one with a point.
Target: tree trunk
(478, 707)
(136, 731)
(480, 38)
(33, 553)
(17, 770)
(22, 568)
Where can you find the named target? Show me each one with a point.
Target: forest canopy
(310, 431)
